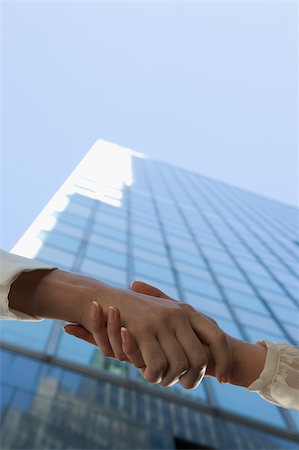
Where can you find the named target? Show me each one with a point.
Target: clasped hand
(168, 340)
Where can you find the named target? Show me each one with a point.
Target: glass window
(186, 245)
(52, 255)
(239, 285)
(189, 258)
(259, 321)
(82, 199)
(247, 301)
(216, 255)
(293, 331)
(201, 286)
(207, 305)
(229, 326)
(119, 211)
(264, 282)
(226, 269)
(147, 232)
(153, 271)
(273, 297)
(112, 220)
(150, 256)
(106, 256)
(65, 228)
(72, 219)
(149, 245)
(106, 242)
(78, 209)
(80, 352)
(60, 240)
(286, 314)
(256, 334)
(192, 270)
(26, 334)
(112, 232)
(103, 272)
(246, 403)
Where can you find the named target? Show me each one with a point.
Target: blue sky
(208, 86)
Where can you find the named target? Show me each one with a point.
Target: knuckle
(187, 308)
(220, 337)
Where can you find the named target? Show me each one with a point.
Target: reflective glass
(59, 240)
(105, 230)
(150, 256)
(192, 270)
(111, 220)
(72, 219)
(158, 272)
(106, 255)
(260, 321)
(258, 334)
(207, 305)
(201, 286)
(103, 272)
(234, 399)
(189, 258)
(246, 301)
(53, 255)
(33, 335)
(286, 314)
(149, 244)
(106, 242)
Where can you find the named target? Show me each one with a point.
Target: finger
(79, 332)
(147, 289)
(131, 349)
(154, 358)
(98, 329)
(114, 333)
(211, 334)
(177, 361)
(195, 354)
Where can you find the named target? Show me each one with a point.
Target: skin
(176, 342)
(248, 359)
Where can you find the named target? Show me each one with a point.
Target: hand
(170, 348)
(205, 327)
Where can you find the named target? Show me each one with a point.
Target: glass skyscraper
(230, 253)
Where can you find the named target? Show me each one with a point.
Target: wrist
(248, 362)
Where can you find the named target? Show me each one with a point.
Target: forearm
(53, 294)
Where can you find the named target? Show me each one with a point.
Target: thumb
(147, 289)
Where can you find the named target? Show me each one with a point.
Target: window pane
(246, 403)
(208, 305)
(200, 286)
(103, 272)
(60, 240)
(106, 256)
(154, 271)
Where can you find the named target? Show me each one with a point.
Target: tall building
(230, 253)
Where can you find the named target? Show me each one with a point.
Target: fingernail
(124, 336)
(224, 379)
(66, 330)
(111, 314)
(94, 310)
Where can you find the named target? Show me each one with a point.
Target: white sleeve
(278, 383)
(11, 266)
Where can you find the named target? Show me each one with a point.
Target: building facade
(232, 254)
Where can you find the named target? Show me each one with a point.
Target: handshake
(169, 341)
